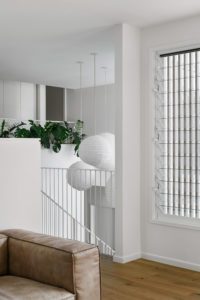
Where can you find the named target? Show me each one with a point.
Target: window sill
(178, 222)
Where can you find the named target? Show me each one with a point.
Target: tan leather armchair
(36, 267)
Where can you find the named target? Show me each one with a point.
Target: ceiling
(41, 40)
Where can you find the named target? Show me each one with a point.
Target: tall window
(177, 133)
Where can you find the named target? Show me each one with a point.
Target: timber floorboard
(147, 280)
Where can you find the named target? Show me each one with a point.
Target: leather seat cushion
(18, 288)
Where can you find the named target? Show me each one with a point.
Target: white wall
(20, 198)
(105, 108)
(176, 245)
(127, 122)
(17, 100)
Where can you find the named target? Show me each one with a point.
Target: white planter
(62, 159)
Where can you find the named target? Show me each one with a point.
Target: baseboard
(172, 261)
(161, 259)
(127, 258)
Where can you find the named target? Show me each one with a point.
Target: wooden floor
(145, 280)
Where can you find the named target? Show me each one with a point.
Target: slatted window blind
(177, 133)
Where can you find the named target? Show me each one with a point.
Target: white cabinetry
(28, 101)
(1, 99)
(11, 99)
(17, 100)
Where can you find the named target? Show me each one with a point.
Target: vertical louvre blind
(177, 133)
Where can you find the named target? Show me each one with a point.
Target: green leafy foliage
(7, 131)
(53, 134)
(76, 134)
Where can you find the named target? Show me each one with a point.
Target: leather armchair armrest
(68, 264)
(3, 255)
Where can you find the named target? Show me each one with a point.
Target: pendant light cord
(94, 92)
(105, 98)
(81, 88)
(81, 91)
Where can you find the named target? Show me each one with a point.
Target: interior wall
(17, 100)
(175, 245)
(105, 108)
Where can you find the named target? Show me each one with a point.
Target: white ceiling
(40, 40)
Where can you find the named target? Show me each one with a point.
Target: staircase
(86, 216)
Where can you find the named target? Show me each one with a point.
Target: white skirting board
(161, 259)
(127, 258)
(20, 184)
(171, 261)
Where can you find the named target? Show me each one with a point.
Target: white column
(127, 78)
(41, 102)
(65, 104)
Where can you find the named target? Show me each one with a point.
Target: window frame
(156, 216)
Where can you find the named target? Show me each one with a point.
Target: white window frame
(156, 216)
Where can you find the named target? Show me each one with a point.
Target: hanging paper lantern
(110, 138)
(97, 151)
(81, 176)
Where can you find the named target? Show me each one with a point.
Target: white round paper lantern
(110, 138)
(81, 176)
(97, 151)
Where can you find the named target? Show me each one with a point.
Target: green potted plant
(53, 134)
(59, 140)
